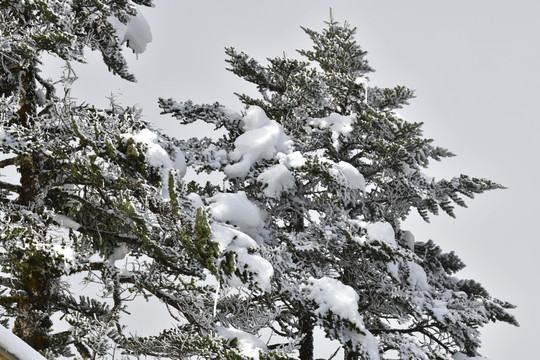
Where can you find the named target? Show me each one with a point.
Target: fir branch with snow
(336, 170)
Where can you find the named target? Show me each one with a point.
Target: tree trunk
(306, 344)
(33, 324)
(28, 179)
(351, 355)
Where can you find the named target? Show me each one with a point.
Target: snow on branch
(13, 348)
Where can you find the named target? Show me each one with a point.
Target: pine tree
(336, 170)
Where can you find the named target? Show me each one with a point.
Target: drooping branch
(11, 187)
(8, 162)
(10, 283)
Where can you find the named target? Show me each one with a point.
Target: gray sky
(475, 66)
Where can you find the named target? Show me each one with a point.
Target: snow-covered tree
(101, 200)
(322, 171)
(305, 232)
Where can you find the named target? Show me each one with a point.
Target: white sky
(475, 66)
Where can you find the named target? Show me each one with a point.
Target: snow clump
(417, 276)
(237, 209)
(136, 32)
(332, 295)
(342, 300)
(262, 140)
(277, 179)
(230, 239)
(249, 345)
(351, 176)
(119, 253)
(158, 157)
(338, 124)
(381, 231)
(292, 160)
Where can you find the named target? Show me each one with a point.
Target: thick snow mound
(277, 179)
(292, 160)
(381, 231)
(136, 32)
(262, 140)
(332, 295)
(13, 345)
(237, 209)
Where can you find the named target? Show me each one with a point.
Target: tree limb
(8, 162)
(11, 187)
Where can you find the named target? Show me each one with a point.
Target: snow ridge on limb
(187, 113)
(11, 347)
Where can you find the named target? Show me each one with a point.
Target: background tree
(337, 170)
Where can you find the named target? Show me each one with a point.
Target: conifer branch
(8, 162)
(11, 187)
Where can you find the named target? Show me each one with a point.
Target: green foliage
(198, 242)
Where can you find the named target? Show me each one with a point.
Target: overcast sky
(475, 66)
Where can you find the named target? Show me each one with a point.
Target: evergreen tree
(336, 170)
(305, 231)
(98, 186)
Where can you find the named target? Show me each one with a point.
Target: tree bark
(306, 344)
(33, 324)
(351, 355)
